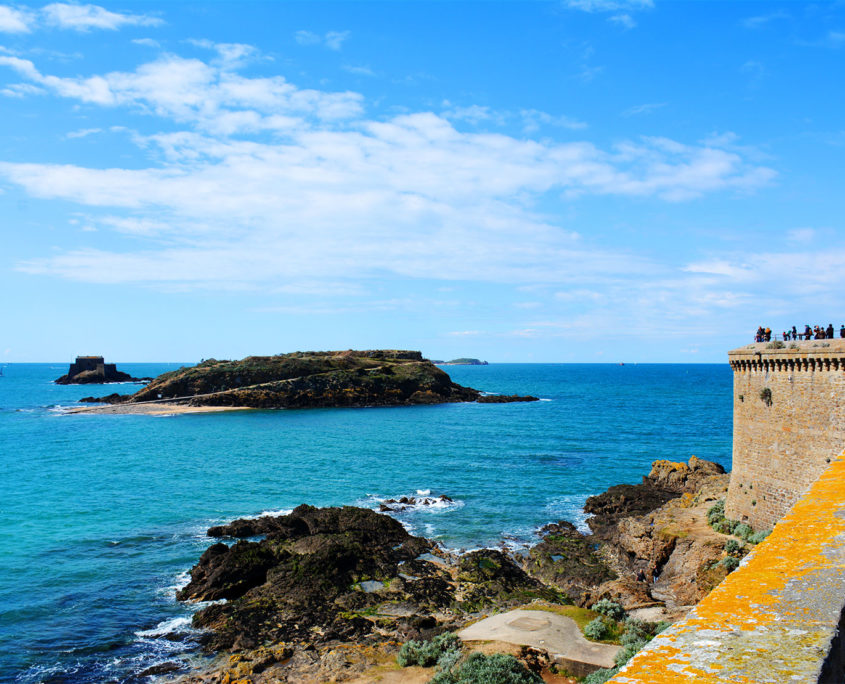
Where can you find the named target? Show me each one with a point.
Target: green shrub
(600, 676)
(596, 630)
(716, 513)
(730, 563)
(610, 608)
(776, 344)
(757, 537)
(661, 626)
(733, 547)
(479, 668)
(427, 653)
(743, 531)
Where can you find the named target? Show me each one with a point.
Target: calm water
(101, 516)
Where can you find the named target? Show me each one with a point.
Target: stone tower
(789, 423)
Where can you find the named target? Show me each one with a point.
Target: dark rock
(160, 669)
(113, 398)
(93, 370)
(489, 576)
(303, 575)
(567, 559)
(503, 398)
(623, 501)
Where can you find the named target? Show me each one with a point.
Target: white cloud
(623, 20)
(83, 133)
(643, 109)
(336, 195)
(86, 17)
(208, 95)
(333, 40)
(147, 42)
(358, 70)
(532, 119)
(764, 19)
(14, 20)
(609, 5)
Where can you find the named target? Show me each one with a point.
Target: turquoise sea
(101, 517)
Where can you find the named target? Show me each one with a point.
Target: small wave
(273, 513)
(177, 624)
(422, 501)
(570, 507)
(541, 399)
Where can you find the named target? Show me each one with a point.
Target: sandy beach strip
(156, 409)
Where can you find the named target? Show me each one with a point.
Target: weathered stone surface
(777, 618)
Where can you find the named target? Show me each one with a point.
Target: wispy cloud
(620, 11)
(335, 194)
(333, 40)
(762, 20)
(87, 17)
(648, 108)
(74, 17)
(358, 70)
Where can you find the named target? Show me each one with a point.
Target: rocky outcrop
(567, 559)
(682, 477)
(341, 574)
(92, 370)
(504, 398)
(309, 380)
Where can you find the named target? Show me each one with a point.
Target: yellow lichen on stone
(773, 618)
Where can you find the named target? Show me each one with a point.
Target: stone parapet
(789, 422)
(777, 618)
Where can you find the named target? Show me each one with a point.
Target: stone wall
(789, 422)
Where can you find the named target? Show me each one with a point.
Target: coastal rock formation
(567, 559)
(308, 380)
(93, 370)
(326, 594)
(341, 574)
(504, 398)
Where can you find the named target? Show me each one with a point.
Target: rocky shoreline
(330, 594)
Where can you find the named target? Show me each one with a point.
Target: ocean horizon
(105, 514)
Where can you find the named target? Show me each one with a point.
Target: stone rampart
(777, 618)
(789, 422)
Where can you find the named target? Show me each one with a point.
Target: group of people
(817, 332)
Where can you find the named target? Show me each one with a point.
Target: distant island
(93, 370)
(301, 380)
(461, 362)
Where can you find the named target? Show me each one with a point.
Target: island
(385, 377)
(461, 362)
(93, 370)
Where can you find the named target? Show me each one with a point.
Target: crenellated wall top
(798, 355)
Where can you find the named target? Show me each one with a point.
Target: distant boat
(621, 364)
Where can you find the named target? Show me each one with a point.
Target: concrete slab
(558, 635)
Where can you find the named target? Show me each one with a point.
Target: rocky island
(330, 594)
(303, 380)
(93, 370)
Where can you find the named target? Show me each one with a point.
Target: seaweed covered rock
(306, 574)
(565, 558)
(488, 576)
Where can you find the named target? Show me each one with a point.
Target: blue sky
(586, 180)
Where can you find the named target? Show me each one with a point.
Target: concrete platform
(558, 635)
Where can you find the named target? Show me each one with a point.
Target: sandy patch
(156, 409)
